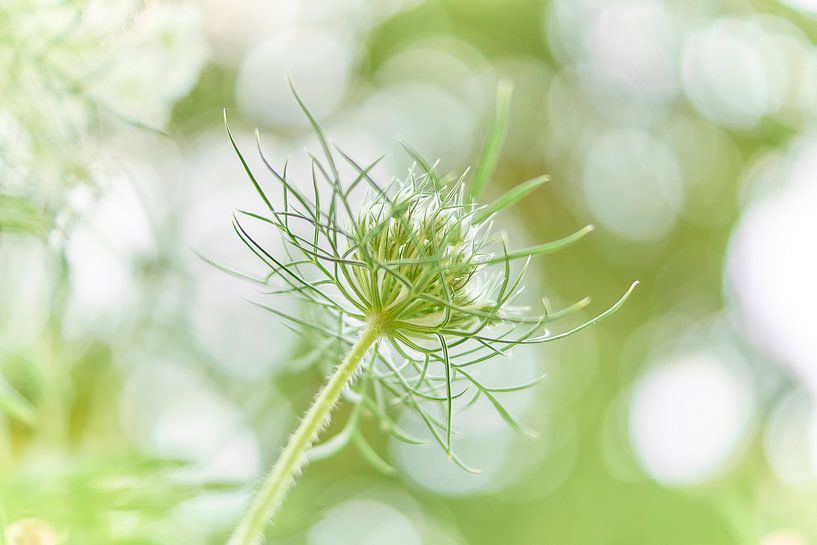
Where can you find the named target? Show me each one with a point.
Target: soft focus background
(142, 396)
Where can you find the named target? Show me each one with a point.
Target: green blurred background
(142, 396)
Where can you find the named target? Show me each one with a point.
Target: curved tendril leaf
(390, 425)
(371, 455)
(333, 445)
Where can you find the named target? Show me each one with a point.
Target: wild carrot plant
(414, 285)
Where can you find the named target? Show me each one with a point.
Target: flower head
(420, 262)
(428, 256)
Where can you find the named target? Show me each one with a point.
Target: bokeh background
(142, 396)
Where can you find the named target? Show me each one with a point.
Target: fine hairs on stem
(270, 497)
(413, 286)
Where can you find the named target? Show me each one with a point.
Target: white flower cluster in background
(71, 73)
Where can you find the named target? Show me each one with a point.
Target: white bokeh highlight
(624, 49)
(771, 265)
(689, 415)
(790, 440)
(363, 521)
(736, 71)
(318, 61)
(632, 184)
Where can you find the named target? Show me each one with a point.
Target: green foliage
(81, 500)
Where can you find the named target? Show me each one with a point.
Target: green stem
(293, 457)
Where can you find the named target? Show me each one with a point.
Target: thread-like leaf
(510, 198)
(547, 247)
(371, 456)
(493, 142)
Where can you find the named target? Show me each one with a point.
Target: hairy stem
(279, 480)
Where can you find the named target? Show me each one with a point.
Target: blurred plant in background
(74, 75)
(70, 72)
(683, 130)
